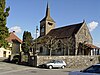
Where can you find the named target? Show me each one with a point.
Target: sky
(25, 15)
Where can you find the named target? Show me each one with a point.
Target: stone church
(72, 39)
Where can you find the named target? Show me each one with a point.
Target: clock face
(50, 23)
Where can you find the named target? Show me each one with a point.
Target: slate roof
(13, 37)
(65, 31)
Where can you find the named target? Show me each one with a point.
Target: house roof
(65, 31)
(92, 46)
(13, 37)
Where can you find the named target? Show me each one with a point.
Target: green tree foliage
(4, 33)
(27, 40)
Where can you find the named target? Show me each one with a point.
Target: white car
(92, 70)
(54, 64)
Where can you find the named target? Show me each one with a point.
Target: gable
(84, 34)
(13, 38)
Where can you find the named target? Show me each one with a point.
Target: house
(14, 46)
(74, 39)
(4, 52)
(14, 43)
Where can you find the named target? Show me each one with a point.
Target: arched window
(41, 49)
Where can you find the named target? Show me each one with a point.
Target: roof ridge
(18, 38)
(13, 36)
(68, 26)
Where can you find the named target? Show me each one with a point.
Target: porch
(94, 50)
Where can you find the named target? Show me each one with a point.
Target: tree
(4, 33)
(48, 42)
(27, 40)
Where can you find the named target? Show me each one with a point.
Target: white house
(14, 43)
(4, 52)
(14, 46)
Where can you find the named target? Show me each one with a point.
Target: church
(72, 39)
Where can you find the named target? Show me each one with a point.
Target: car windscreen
(55, 61)
(92, 69)
(51, 61)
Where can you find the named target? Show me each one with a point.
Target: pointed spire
(47, 16)
(48, 5)
(83, 20)
(47, 11)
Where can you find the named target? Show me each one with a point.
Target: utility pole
(35, 49)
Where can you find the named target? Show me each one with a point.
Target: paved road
(13, 69)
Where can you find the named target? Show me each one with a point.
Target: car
(15, 59)
(54, 64)
(92, 70)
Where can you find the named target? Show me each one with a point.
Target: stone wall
(71, 61)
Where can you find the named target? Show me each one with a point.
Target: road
(13, 69)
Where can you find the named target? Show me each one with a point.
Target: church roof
(48, 19)
(65, 31)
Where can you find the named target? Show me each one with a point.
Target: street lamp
(36, 50)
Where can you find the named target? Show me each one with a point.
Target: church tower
(47, 23)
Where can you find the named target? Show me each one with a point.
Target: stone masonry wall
(71, 61)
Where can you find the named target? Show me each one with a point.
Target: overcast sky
(25, 15)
